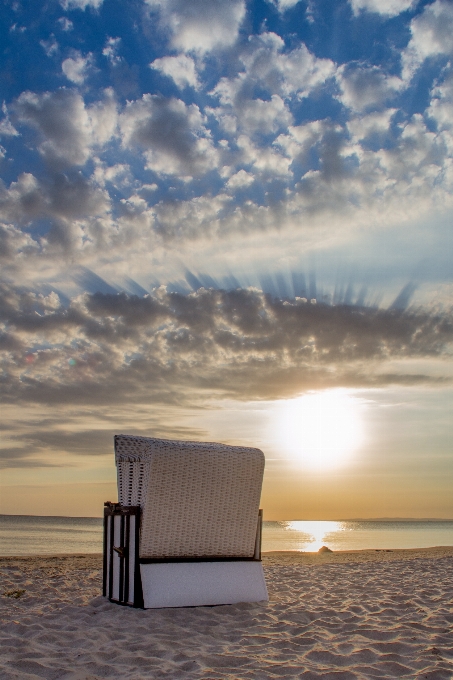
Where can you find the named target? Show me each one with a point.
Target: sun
(321, 430)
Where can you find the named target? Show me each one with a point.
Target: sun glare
(322, 430)
(317, 531)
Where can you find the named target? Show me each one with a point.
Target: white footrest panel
(191, 584)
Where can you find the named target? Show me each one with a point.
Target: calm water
(25, 535)
(31, 535)
(310, 536)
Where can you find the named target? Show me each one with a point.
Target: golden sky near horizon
(332, 454)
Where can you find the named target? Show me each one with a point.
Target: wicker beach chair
(187, 528)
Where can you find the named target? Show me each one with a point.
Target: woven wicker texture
(198, 499)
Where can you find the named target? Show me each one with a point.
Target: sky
(229, 221)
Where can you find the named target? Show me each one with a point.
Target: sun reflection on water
(315, 534)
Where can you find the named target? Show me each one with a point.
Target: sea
(34, 535)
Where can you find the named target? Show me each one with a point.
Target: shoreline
(357, 556)
(302, 556)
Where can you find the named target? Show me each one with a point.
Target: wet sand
(342, 615)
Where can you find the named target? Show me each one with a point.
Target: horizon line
(350, 519)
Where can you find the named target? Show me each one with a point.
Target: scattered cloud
(75, 68)
(389, 8)
(372, 124)
(265, 160)
(62, 202)
(49, 46)
(7, 129)
(240, 179)
(181, 69)
(365, 88)
(200, 26)
(111, 50)
(172, 135)
(68, 129)
(119, 175)
(283, 5)
(80, 4)
(440, 109)
(65, 24)
(245, 117)
(432, 35)
(62, 121)
(267, 65)
(17, 29)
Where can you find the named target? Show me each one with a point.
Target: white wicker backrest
(198, 499)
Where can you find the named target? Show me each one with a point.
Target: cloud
(278, 77)
(119, 175)
(266, 160)
(171, 134)
(417, 159)
(300, 139)
(80, 4)
(75, 68)
(405, 164)
(284, 75)
(47, 436)
(240, 179)
(200, 25)
(440, 109)
(111, 50)
(181, 69)
(103, 116)
(65, 24)
(75, 197)
(199, 218)
(68, 129)
(325, 157)
(245, 117)
(265, 116)
(49, 46)
(43, 442)
(364, 88)
(63, 202)
(22, 200)
(372, 124)
(376, 167)
(314, 179)
(7, 129)
(63, 122)
(13, 241)
(330, 186)
(432, 35)
(389, 8)
(283, 5)
(107, 349)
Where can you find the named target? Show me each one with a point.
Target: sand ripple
(343, 619)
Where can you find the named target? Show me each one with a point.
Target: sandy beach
(343, 615)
